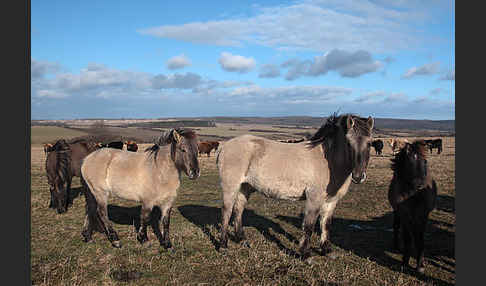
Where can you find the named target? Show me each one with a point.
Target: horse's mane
(167, 138)
(63, 159)
(417, 146)
(328, 130)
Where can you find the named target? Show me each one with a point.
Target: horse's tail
(218, 151)
(92, 208)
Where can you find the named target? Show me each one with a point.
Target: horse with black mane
(58, 169)
(116, 145)
(62, 164)
(434, 143)
(152, 178)
(378, 145)
(131, 146)
(48, 148)
(318, 171)
(412, 195)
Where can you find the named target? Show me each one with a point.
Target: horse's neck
(340, 165)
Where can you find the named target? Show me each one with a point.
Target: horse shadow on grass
(131, 215)
(446, 203)
(373, 239)
(205, 216)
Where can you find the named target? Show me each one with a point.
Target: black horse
(412, 195)
(378, 145)
(434, 143)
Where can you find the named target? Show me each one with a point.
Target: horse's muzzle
(359, 180)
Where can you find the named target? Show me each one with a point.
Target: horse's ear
(177, 136)
(349, 122)
(370, 122)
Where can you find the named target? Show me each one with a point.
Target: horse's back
(128, 175)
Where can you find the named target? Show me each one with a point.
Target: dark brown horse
(378, 145)
(65, 159)
(207, 146)
(412, 195)
(131, 146)
(116, 145)
(434, 143)
(58, 169)
(48, 148)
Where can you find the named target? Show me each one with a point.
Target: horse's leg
(310, 216)
(229, 195)
(109, 230)
(165, 223)
(419, 230)
(407, 242)
(396, 230)
(238, 208)
(327, 211)
(53, 202)
(144, 221)
(68, 191)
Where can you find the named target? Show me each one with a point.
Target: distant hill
(385, 126)
(380, 123)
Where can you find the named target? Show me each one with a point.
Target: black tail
(92, 209)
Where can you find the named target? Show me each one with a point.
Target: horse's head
(347, 141)
(184, 150)
(60, 195)
(411, 163)
(358, 137)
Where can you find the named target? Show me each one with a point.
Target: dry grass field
(360, 235)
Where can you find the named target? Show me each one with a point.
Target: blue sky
(150, 59)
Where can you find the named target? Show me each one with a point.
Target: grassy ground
(360, 236)
(45, 134)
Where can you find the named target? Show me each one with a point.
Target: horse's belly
(282, 190)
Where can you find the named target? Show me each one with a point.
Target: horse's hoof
(166, 245)
(245, 244)
(305, 256)
(142, 239)
(326, 248)
(116, 244)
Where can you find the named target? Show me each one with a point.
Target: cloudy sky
(149, 59)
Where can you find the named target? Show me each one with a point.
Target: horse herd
(318, 170)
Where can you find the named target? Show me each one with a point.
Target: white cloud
(180, 81)
(38, 69)
(236, 63)
(307, 25)
(347, 64)
(178, 62)
(370, 97)
(269, 71)
(427, 69)
(449, 75)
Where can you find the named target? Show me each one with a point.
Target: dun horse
(412, 195)
(62, 164)
(319, 172)
(151, 178)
